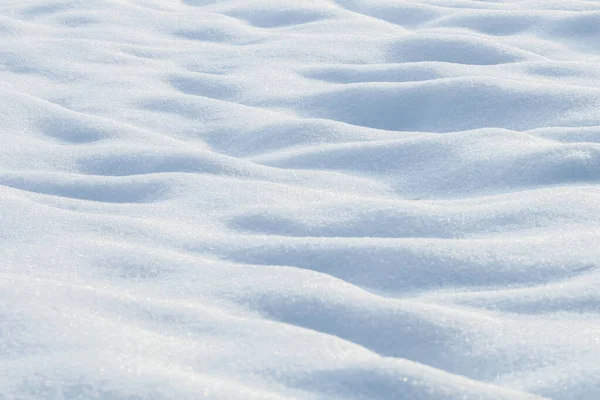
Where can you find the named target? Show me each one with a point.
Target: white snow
(299, 199)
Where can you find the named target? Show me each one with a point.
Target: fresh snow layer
(299, 199)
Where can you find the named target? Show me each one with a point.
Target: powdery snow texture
(316, 199)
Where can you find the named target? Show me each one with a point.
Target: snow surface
(299, 199)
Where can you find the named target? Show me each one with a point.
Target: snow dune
(316, 199)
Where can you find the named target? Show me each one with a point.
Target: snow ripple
(349, 199)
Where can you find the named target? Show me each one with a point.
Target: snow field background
(350, 199)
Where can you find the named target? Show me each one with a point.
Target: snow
(316, 199)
